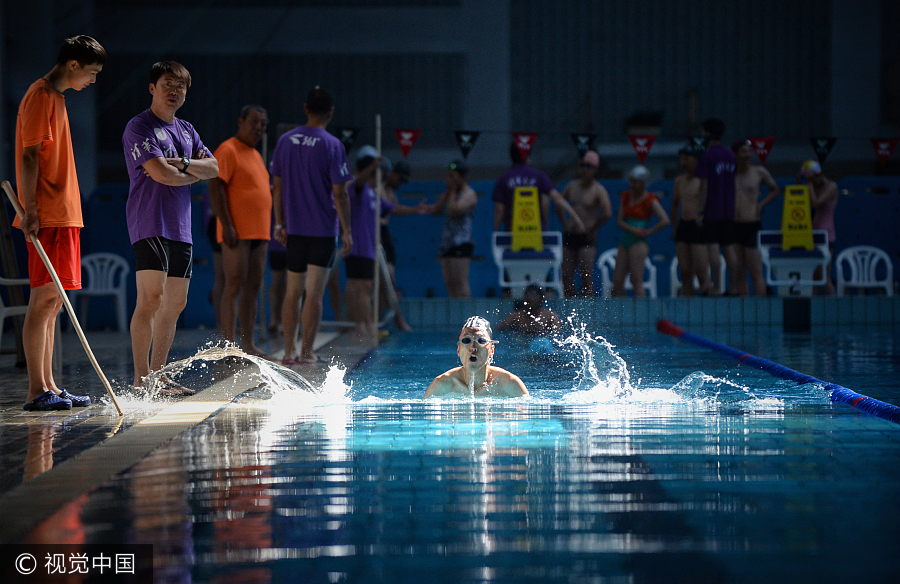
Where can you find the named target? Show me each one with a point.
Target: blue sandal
(47, 402)
(78, 401)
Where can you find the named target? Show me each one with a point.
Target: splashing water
(598, 354)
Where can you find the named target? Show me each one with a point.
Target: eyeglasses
(483, 341)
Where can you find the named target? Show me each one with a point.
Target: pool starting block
(792, 270)
(518, 269)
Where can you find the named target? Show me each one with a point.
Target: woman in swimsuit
(636, 210)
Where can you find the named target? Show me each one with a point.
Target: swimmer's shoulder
(444, 384)
(509, 383)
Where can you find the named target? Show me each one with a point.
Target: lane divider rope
(837, 393)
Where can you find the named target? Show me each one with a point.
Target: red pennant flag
(407, 138)
(524, 142)
(762, 146)
(884, 147)
(642, 145)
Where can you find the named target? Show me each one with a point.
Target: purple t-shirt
(718, 167)
(310, 161)
(362, 219)
(154, 209)
(520, 175)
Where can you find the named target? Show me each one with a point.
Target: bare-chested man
(747, 216)
(590, 200)
(476, 376)
(691, 242)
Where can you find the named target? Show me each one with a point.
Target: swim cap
(592, 158)
(639, 172)
(811, 167)
(738, 144)
(478, 322)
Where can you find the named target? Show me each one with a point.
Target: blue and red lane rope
(837, 393)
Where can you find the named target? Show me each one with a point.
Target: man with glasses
(476, 376)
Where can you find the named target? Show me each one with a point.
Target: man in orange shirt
(242, 200)
(49, 194)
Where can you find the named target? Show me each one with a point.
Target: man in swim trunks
(242, 201)
(476, 376)
(531, 317)
(309, 175)
(590, 202)
(690, 238)
(716, 172)
(164, 155)
(748, 217)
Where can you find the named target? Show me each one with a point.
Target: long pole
(40, 249)
(378, 191)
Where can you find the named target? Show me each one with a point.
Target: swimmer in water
(531, 317)
(476, 376)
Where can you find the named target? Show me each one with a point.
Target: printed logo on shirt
(521, 181)
(160, 134)
(301, 140)
(146, 145)
(344, 170)
(135, 152)
(171, 152)
(187, 138)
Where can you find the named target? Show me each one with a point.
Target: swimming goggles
(483, 341)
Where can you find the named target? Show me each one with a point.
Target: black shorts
(576, 241)
(175, 258)
(387, 243)
(304, 250)
(277, 260)
(211, 234)
(721, 232)
(464, 250)
(745, 232)
(360, 268)
(690, 232)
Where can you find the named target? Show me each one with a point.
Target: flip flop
(47, 402)
(78, 401)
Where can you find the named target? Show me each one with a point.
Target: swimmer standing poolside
(476, 376)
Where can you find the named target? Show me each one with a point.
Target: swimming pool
(663, 463)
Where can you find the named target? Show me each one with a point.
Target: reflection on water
(707, 478)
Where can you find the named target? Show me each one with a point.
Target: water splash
(604, 374)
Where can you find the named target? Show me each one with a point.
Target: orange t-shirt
(247, 191)
(43, 120)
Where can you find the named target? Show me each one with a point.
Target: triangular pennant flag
(524, 141)
(699, 143)
(407, 138)
(583, 142)
(347, 136)
(642, 145)
(762, 146)
(466, 141)
(884, 147)
(822, 146)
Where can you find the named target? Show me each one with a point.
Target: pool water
(637, 459)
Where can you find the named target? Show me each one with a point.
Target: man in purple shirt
(716, 172)
(522, 175)
(164, 156)
(309, 175)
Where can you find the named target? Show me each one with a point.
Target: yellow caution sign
(796, 220)
(526, 220)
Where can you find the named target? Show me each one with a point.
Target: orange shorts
(63, 246)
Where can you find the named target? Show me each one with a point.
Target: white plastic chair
(675, 277)
(5, 310)
(857, 267)
(518, 269)
(103, 274)
(607, 265)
